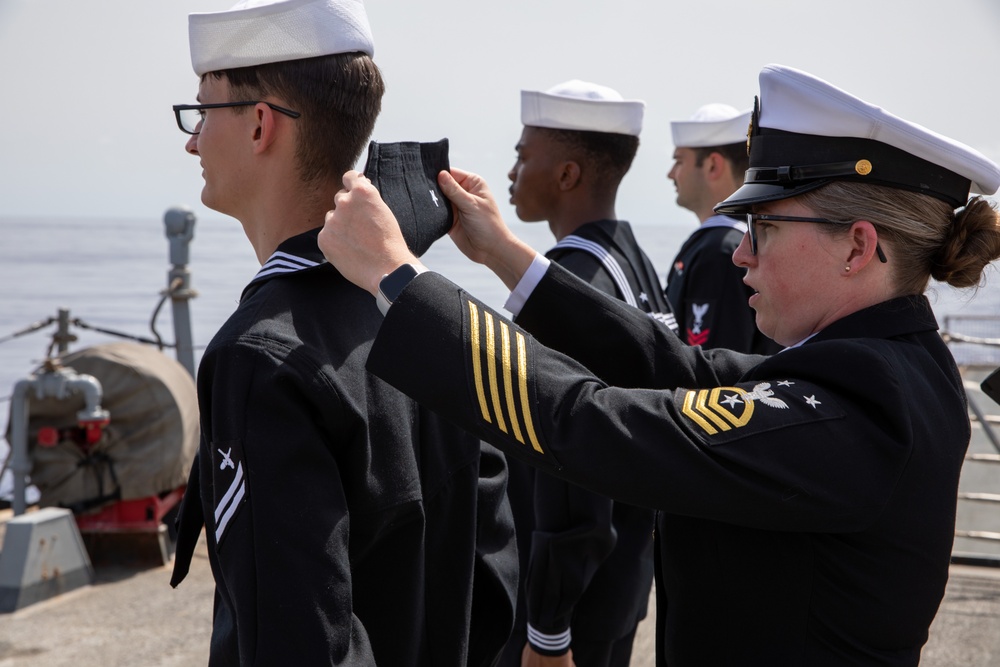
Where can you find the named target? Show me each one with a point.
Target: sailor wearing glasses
(806, 500)
(341, 528)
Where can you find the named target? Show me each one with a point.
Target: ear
(264, 129)
(569, 175)
(715, 165)
(863, 239)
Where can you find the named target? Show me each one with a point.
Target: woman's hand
(361, 236)
(479, 230)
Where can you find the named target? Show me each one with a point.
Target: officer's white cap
(256, 32)
(806, 133)
(712, 125)
(581, 105)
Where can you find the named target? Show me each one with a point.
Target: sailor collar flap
(299, 253)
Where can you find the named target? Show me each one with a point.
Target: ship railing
(977, 351)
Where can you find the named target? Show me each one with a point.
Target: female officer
(807, 499)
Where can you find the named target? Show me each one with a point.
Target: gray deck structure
(132, 617)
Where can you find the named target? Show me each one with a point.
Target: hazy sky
(87, 86)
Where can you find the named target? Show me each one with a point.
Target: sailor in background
(704, 287)
(807, 499)
(586, 561)
(346, 525)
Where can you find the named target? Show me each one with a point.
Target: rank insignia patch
(229, 484)
(723, 414)
(699, 329)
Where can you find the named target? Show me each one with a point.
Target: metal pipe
(20, 464)
(55, 382)
(63, 337)
(179, 222)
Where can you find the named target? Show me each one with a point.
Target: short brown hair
(339, 97)
(735, 154)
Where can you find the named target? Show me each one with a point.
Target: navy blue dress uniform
(591, 559)
(606, 255)
(799, 496)
(806, 499)
(706, 291)
(586, 561)
(345, 524)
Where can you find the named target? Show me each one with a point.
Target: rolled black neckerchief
(405, 174)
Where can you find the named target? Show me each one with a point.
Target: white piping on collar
(724, 221)
(282, 262)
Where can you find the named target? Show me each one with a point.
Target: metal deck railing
(977, 351)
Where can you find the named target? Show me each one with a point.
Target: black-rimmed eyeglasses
(754, 217)
(190, 116)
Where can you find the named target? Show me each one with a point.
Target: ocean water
(109, 273)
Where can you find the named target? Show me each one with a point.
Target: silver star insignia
(732, 400)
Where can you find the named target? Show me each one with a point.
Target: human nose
(742, 256)
(670, 174)
(512, 174)
(192, 144)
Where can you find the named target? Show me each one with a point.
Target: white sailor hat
(712, 125)
(580, 105)
(256, 32)
(806, 133)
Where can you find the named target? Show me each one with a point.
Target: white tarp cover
(151, 440)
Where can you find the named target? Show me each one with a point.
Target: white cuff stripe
(559, 642)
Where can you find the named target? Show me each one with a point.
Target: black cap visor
(741, 202)
(787, 164)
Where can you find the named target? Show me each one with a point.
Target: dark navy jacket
(707, 294)
(345, 524)
(587, 560)
(807, 499)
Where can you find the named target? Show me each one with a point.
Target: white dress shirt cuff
(529, 281)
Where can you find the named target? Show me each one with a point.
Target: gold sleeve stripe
(522, 384)
(491, 368)
(694, 416)
(477, 369)
(705, 410)
(508, 390)
(733, 419)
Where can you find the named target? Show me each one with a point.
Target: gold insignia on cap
(754, 117)
(863, 167)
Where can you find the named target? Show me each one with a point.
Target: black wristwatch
(392, 284)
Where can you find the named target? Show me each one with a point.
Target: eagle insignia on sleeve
(723, 414)
(699, 330)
